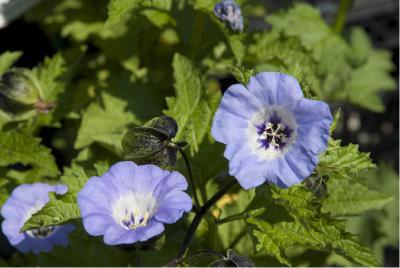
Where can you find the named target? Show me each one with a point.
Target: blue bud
(229, 12)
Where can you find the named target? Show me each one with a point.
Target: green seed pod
(17, 86)
(151, 143)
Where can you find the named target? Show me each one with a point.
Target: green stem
(138, 257)
(238, 238)
(199, 216)
(235, 217)
(191, 181)
(340, 19)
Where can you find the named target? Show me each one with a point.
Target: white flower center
(271, 131)
(134, 210)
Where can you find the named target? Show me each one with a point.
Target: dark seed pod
(13, 107)
(239, 261)
(165, 124)
(233, 260)
(19, 87)
(151, 143)
(141, 143)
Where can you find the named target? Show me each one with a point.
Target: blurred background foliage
(110, 65)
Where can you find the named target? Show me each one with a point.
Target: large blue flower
(24, 201)
(130, 203)
(273, 134)
(229, 12)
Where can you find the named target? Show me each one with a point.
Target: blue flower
(229, 12)
(273, 134)
(130, 203)
(24, 201)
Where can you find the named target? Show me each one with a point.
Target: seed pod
(17, 86)
(151, 143)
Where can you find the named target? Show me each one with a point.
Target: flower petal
(173, 205)
(231, 119)
(314, 119)
(96, 224)
(275, 88)
(152, 229)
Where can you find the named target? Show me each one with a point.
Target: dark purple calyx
(41, 232)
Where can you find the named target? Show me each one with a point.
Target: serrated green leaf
(101, 167)
(17, 147)
(310, 228)
(366, 81)
(55, 212)
(349, 197)
(344, 159)
(7, 59)
(301, 21)
(46, 77)
(189, 108)
(336, 119)
(104, 122)
(360, 46)
(119, 11)
(270, 52)
(242, 75)
(159, 18)
(60, 209)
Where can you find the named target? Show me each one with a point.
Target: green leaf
(119, 11)
(47, 77)
(360, 45)
(190, 108)
(344, 159)
(348, 197)
(7, 59)
(159, 18)
(242, 75)
(293, 218)
(270, 52)
(366, 81)
(18, 147)
(101, 167)
(303, 21)
(81, 31)
(104, 122)
(336, 119)
(60, 209)
(84, 250)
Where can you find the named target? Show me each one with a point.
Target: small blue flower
(24, 201)
(273, 134)
(131, 203)
(229, 12)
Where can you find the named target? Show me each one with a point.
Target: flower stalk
(344, 7)
(199, 216)
(191, 181)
